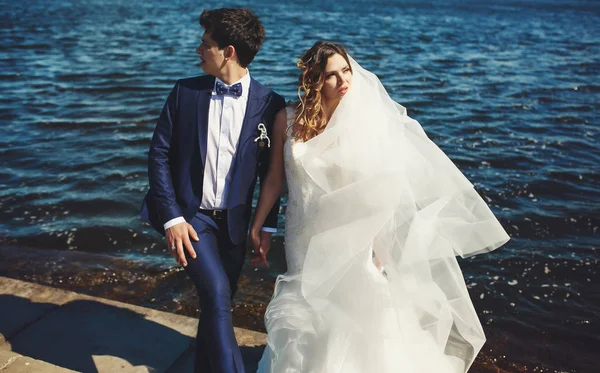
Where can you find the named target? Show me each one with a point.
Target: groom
(210, 143)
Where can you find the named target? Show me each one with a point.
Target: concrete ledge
(82, 333)
(11, 362)
(7, 358)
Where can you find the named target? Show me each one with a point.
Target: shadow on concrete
(82, 334)
(251, 356)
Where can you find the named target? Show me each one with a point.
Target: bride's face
(337, 78)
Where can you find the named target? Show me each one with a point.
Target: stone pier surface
(48, 330)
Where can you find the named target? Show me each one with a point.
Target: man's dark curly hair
(238, 27)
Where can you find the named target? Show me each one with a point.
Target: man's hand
(178, 237)
(261, 242)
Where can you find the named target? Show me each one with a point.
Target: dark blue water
(509, 90)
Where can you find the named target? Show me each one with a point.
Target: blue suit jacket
(178, 154)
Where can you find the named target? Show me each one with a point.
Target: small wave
(116, 89)
(587, 88)
(567, 119)
(38, 46)
(65, 125)
(86, 77)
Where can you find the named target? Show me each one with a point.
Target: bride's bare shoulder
(291, 118)
(291, 109)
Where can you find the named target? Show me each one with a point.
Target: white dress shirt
(225, 118)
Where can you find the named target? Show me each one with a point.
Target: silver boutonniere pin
(263, 136)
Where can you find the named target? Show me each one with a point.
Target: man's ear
(229, 51)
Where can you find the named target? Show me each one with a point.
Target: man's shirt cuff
(172, 222)
(268, 229)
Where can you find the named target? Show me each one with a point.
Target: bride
(376, 215)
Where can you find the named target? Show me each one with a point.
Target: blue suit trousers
(215, 273)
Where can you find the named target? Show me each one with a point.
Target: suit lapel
(202, 112)
(249, 130)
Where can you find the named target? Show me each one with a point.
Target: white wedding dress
(372, 188)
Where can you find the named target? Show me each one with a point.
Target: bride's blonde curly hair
(309, 112)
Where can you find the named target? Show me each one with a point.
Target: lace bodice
(302, 202)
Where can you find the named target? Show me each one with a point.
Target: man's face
(212, 59)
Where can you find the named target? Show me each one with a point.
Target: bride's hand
(261, 244)
(254, 238)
